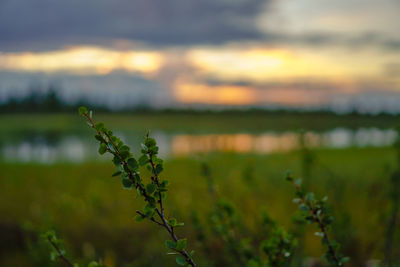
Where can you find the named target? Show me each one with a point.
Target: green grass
(94, 214)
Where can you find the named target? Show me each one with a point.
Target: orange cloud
(200, 93)
(187, 92)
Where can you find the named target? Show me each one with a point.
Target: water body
(47, 149)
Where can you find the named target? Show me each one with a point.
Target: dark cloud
(45, 24)
(48, 24)
(357, 40)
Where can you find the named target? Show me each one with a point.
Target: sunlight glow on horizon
(259, 64)
(82, 60)
(192, 93)
(200, 93)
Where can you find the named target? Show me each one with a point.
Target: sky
(342, 54)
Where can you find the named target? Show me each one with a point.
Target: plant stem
(60, 254)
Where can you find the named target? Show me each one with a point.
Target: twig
(59, 253)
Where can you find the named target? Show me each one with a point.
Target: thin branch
(60, 254)
(151, 219)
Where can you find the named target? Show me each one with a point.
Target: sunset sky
(339, 54)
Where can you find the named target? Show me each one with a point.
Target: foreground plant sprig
(316, 211)
(153, 193)
(59, 251)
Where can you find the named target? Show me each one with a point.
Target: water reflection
(242, 143)
(75, 148)
(275, 142)
(69, 148)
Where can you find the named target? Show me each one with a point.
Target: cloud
(42, 25)
(49, 24)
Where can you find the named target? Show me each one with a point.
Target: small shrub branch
(153, 193)
(315, 211)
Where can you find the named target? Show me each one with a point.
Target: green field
(94, 215)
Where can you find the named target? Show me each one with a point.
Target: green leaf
(164, 183)
(117, 161)
(180, 260)
(124, 148)
(181, 244)
(127, 183)
(98, 138)
(132, 163)
(170, 244)
(102, 148)
(153, 150)
(139, 218)
(172, 222)
(296, 200)
(157, 160)
(124, 154)
(149, 210)
(303, 207)
(327, 220)
(158, 169)
(136, 177)
(144, 147)
(49, 235)
(99, 126)
(116, 173)
(150, 188)
(143, 160)
(138, 191)
(82, 110)
(310, 197)
(150, 142)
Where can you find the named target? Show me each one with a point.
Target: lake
(50, 147)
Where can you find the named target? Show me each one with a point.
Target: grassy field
(95, 216)
(90, 210)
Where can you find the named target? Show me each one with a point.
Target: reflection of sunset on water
(241, 143)
(72, 149)
(270, 142)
